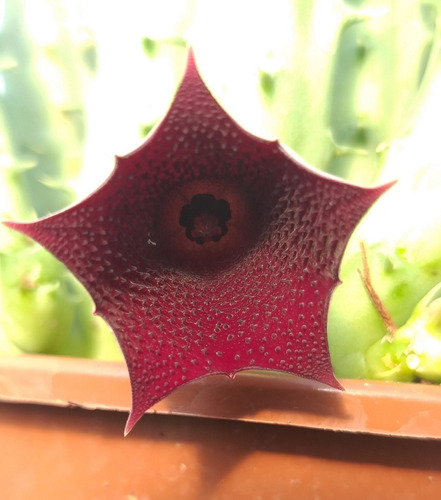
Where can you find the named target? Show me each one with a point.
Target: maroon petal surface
(209, 250)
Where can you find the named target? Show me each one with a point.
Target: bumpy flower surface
(209, 250)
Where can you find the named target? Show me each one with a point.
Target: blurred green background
(352, 86)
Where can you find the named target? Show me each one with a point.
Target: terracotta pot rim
(371, 407)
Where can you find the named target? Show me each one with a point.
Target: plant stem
(365, 276)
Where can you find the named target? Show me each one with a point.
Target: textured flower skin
(181, 309)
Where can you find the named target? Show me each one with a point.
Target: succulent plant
(209, 250)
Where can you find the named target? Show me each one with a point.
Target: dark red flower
(209, 250)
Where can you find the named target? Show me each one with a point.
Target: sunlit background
(333, 79)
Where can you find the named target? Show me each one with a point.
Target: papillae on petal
(241, 279)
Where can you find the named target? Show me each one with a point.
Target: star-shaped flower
(209, 250)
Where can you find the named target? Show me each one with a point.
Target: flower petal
(254, 293)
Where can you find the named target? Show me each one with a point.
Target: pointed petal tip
(329, 379)
(378, 191)
(190, 53)
(134, 416)
(127, 430)
(9, 223)
(22, 227)
(386, 186)
(191, 66)
(335, 384)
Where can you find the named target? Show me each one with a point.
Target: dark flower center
(205, 219)
(207, 225)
